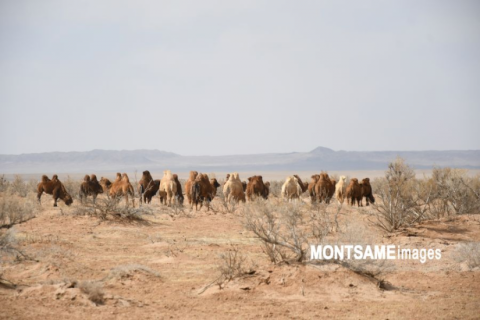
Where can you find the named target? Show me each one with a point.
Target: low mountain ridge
(320, 158)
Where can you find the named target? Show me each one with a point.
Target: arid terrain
(239, 160)
(167, 264)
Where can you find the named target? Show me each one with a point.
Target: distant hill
(318, 159)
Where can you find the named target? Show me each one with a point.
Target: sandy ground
(161, 269)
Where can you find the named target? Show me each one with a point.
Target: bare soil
(161, 268)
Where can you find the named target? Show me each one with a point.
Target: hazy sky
(238, 77)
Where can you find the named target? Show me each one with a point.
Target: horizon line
(238, 154)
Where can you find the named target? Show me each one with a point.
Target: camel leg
(39, 196)
(55, 196)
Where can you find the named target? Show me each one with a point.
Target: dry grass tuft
(276, 188)
(14, 210)
(73, 187)
(468, 252)
(223, 206)
(360, 235)
(9, 246)
(93, 290)
(127, 271)
(4, 183)
(233, 263)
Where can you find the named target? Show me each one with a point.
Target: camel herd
(322, 189)
(200, 189)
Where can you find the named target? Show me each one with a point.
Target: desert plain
(172, 262)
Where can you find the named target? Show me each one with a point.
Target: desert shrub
(285, 231)
(403, 199)
(15, 210)
(32, 185)
(455, 192)
(72, 186)
(9, 248)
(7, 241)
(320, 222)
(358, 234)
(4, 183)
(223, 206)
(9, 245)
(468, 252)
(276, 188)
(232, 263)
(261, 218)
(113, 207)
(176, 209)
(19, 187)
(93, 290)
